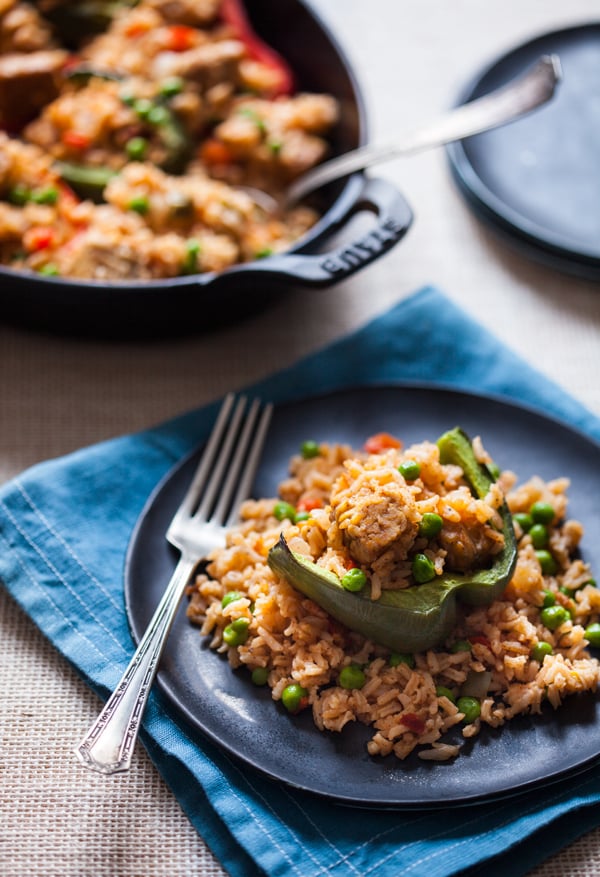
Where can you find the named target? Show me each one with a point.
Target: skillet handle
(393, 219)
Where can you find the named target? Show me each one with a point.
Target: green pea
(262, 254)
(171, 86)
(192, 251)
(397, 658)
(231, 597)
(540, 650)
(292, 697)
(547, 562)
(136, 148)
(49, 270)
(275, 146)
(301, 516)
(260, 675)
(127, 98)
(442, 691)
(236, 633)
(284, 510)
(471, 708)
(430, 525)
(549, 599)
(542, 512)
(49, 195)
(410, 470)
(553, 616)
(592, 634)
(352, 677)
(140, 204)
(159, 116)
(142, 107)
(539, 536)
(524, 520)
(19, 195)
(461, 645)
(310, 449)
(423, 569)
(354, 580)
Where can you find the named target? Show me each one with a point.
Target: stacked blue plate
(537, 181)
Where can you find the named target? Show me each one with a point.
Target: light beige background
(57, 395)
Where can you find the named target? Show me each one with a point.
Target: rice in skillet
(344, 510)
(127, 145)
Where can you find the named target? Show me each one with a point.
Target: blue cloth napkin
(64, 530)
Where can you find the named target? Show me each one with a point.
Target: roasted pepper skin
(455, 447)
(87, 182)
(419, 617)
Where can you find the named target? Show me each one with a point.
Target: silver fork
(221, 482)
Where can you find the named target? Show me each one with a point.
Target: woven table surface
(57, 395)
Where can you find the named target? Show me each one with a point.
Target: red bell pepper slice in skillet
(234, 14)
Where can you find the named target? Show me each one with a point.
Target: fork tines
(231, 457)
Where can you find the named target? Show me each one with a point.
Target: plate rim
(185, 714)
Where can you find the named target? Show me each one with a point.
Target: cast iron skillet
(204, 301)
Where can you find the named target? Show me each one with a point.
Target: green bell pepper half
(421, 616)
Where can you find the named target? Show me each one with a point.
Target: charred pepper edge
(87, 181)
(455, 447)
(419, 617)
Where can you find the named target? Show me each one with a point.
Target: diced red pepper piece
(213, 151)
(413, 722)
(234, 14)
(381, 441)
(38, 238)
(76, 139)
(181, 38)
(308, 503)
(136, 29)
(479, 638)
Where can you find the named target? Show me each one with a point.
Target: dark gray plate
(241, 718)
(536, 181)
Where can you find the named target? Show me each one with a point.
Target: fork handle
(108, 745)
(521, 95)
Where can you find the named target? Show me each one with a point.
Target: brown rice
(407, 701)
